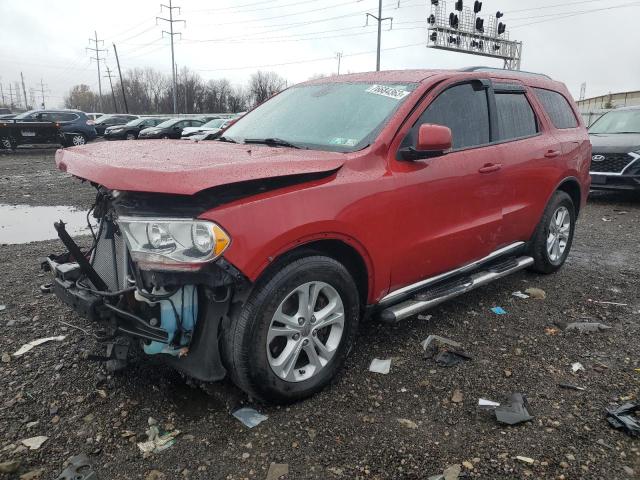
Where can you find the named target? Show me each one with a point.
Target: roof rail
(492, 69)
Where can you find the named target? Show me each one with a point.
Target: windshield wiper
(277, 142)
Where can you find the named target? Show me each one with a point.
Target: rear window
(557, 107)
(515, 116)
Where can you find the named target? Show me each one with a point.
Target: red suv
(260, 253)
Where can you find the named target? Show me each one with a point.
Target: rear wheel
(552, 240)
(294, 332)
(6, 144)
(77, 139)
(131, 136)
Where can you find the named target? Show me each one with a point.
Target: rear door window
(464, 109)
(516, 118)
(557, 107)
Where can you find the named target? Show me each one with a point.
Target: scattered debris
(277, 470)
(452, 472)
(11, 466)
(449, 358)
(587, 327)
(380, 366)
(517, 411)
(425, 317)
(79, 468)
(499, 311)
(250, 417)
(525, 460)
(6, 358)
(536, 293)
(157, 442)
(601, 302)
(577, 367)
(551, 331)
(3, 307)
(34, 343)
(623, 418)
(33, 474)
(487, 404)
(34, 443)
(568, 386)
(435, 339)
(519, 294)
(457, 396)
(405, 422)
(605, 219)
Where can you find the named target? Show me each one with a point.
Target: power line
(575, 14)
(379, 19)
(97, 58)
(113, 95)
(171, 33)
(566, 4)
(252, 10)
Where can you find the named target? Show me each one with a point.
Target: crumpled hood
(178, 167)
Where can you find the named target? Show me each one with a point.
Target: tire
(165, 137)
(251, 360)
(130, 136)
(77, 139)
(6, 144)
(546, 260)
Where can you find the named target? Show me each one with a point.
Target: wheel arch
(571, 186)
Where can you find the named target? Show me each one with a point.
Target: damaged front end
(159, 279)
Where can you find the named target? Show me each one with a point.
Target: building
(593, 108)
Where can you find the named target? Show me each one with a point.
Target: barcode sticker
(390, 92)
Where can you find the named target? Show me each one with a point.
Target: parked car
(383, 194)
(171, 128)
(94, 116)
(5, 111)
(211, 126)
(74, 124)
(106, 121)
(7, 116)
(131, 130)
(615, 163)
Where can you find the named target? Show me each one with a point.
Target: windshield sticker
(390, 92)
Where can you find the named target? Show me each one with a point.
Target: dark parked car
(172, 128)
(615, 161)
(106, 121)
(131, 130)
(76, 127)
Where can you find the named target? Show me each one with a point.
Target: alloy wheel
(559, 231)
(305, 331)
(78, 140)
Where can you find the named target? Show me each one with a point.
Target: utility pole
(10, 95)
(96, 49)
(16, 87)
(379, 19)
(2, 93)
(171, 33)
(42, 85)
(24, 92)
(124, 96)
(339, 57)
(583, 90)
(109, 76)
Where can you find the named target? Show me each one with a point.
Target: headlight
(173, 243)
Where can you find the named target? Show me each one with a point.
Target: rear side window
(462, 108)
(557, 107)
(515, 116)
(65, 117)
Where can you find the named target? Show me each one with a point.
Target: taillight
(90, 122)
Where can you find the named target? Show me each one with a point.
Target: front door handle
(552, 153)
(490, 167)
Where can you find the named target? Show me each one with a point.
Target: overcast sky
(46, 39)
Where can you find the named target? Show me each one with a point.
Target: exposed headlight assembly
(173, 243)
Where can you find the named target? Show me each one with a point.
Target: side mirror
(433, 141)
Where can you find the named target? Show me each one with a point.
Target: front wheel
(77, 140)
(131, 136)
(294, 332)
(552, 240)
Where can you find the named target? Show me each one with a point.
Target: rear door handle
(490, 167)
(552, 153)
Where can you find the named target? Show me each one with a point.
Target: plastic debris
(525, 460)
(250, 417)
(34, 343)
(568, 386)
(577, 367)
(519, 294)
(157, 442)
(425, 317)
(551, 331)
(10, 466)
(536, 293)
(452, 472)
(447, 358)
(3, 307)
(587, 327)
(601, 302)
(34, 443)
(517, 411)
(499, 311)
(277, 470)
(623, 418)
(405, 422)
(380, 366)
(487, 404)
(79, 468)
(437, 339)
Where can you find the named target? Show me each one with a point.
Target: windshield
(25, 114)
(215, 123)
(136, 122)
(341, 117)
(168, 123)
(622, 121)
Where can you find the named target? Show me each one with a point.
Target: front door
(449, 208)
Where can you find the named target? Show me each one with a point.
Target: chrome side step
(430, 298)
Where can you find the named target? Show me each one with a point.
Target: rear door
(449, 207)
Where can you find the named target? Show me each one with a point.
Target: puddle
(24, 223)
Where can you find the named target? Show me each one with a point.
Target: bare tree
(82, 98)
(263, 85)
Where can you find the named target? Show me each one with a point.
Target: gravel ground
(351, 430)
